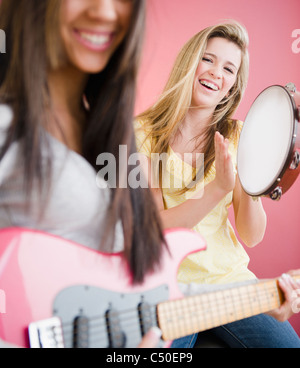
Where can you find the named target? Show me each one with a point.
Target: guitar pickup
(46, 333)
(145, 316)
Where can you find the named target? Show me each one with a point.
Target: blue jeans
(261, 331)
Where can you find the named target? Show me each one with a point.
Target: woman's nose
(216, 72)
(102, 9)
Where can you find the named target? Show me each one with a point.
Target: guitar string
(205, 305)
(103, 339)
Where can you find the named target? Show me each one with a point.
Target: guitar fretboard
(201, 312)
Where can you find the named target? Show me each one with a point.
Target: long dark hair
(110, 95)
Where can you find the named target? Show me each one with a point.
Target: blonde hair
(164, 117)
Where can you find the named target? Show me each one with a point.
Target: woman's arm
(189, 213)
(192, 211)
(250, 217)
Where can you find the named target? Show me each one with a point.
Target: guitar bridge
(46, 333)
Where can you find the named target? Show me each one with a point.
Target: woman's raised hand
(225, 177)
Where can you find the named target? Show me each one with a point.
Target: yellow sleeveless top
(225, 260)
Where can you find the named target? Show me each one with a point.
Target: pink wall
(270, 24)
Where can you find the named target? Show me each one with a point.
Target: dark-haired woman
(68, 77)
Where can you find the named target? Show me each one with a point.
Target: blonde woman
(194, 116)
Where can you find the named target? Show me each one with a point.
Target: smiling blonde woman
(194, 115)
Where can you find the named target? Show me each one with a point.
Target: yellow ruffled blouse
(225, 259)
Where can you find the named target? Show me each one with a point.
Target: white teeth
(210, 85)
(95, 39)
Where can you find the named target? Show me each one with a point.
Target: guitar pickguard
(98, 318)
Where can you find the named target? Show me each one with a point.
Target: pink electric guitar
(54, 293)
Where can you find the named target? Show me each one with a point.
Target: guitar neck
(204, 311)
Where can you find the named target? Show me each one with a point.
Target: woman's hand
(225, 177)
(291, 292)
(190, 212)
(151, 339)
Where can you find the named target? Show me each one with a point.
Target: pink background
(270, 23)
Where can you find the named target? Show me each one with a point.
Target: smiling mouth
(209, 85)
(97, 40)
(94, 40)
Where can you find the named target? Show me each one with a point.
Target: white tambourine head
(265, 140)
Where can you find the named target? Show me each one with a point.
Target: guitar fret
(194, 316)
(206, 314)
(254, 300)
(247, 306)
(216, 305)
(181, 317)
(170, 318)
(269, 306)
(241, 303)
(205, 311)
(274, 298)
(187, 319)
(229, 308)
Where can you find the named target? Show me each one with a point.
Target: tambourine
(268, 151)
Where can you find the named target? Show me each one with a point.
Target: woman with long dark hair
(67, 89)
(69, 77)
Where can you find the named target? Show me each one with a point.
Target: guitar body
(43, 276)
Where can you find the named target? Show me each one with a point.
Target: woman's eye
(207, 60)
(229, 70)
